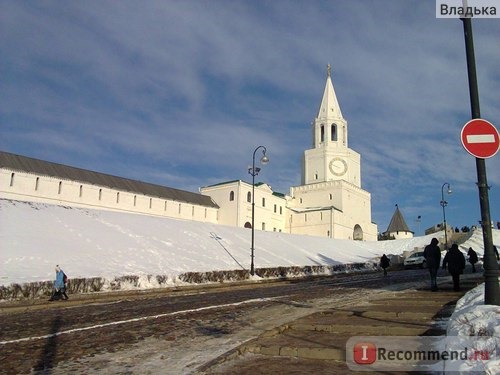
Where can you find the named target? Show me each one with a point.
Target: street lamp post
(419, 220)
(254, 171)
(444, 204)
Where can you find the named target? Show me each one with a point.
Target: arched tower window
(249, 197)
(12, 175)
(334, 132)
(231, 196)
(37, 182)
(59, 190)
(322, 133)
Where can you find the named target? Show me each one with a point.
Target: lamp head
(264, 160)
(449, 189)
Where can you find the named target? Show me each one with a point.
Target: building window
(165, 207)
(334, 132)
(81, 190)
(322, 133)
(59, 189)
(37, 182)
(205, 213)
(331, 196)
(150, 203)
(275, 208)
(263, 202)
(100, 194)
(281, 210)
(300, 200)
(328, 233)
(321, 216)
(315, 176)
(231, 196)
(179, 208)
(135, 200)
(12, 179)
(192, 211)
(117, 197)
(305, 217)
(249, 197)
(263, 226)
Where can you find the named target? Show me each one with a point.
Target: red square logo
(365, 353)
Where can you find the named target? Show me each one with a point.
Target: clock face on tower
(338, 166)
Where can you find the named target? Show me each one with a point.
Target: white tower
(330, 202)
(330, 158)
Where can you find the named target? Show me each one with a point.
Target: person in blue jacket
(59, 285)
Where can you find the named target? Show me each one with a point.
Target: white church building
(329, 202)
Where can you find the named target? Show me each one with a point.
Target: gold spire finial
(328, 70)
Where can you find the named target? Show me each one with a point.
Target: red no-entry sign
(480, 138)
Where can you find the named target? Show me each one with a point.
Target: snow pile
(104, 250)
(103, 244)
(477, 325)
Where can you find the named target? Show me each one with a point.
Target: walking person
(432, 255)
(384, 263)
(472, 259)
(455, 261)
(59, 285)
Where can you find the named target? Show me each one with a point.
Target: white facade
(19, 185)
(235, 201)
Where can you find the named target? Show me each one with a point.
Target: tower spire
(329, 108)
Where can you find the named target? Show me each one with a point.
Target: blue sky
(180, 93)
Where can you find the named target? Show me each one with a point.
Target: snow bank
(478, 324)
(137, 251)
(102, 244)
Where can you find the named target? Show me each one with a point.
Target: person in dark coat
(472, 258)
(455, 261)
(432, 255)
(384, 263)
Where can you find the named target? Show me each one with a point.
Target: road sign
(480, 138)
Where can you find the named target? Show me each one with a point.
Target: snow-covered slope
(91, 243)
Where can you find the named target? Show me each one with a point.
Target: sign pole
(491, 288)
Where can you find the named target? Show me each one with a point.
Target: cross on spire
(328, 70)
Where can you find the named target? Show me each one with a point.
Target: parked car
(415, 260)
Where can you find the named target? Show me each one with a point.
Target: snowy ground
(92, 243)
